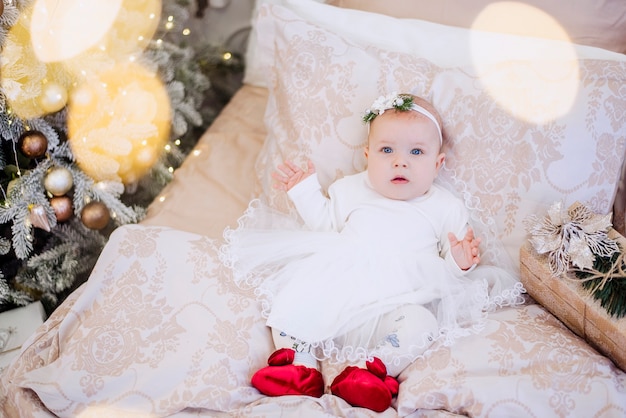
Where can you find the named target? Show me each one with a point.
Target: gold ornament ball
(95, 215)
(62, 206)
(53, 97)
(33, 144)
(58, 181)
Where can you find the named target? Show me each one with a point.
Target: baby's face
(403, 154)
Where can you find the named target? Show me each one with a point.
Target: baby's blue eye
(386, 150)
(416, 151)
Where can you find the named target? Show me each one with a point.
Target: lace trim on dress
(498, 282)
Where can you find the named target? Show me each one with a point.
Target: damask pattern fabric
(506, 167)
(160, 329)
(157, 328)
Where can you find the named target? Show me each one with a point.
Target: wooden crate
(574, 306)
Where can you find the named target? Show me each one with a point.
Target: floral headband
(401, 102)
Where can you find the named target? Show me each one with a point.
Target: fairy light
(186, 31)
(168, 148)
(177, 142)
(170, 169)
(170, 23)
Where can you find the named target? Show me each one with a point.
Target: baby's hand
(291, 175)
(465, 252)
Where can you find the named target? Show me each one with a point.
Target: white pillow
(257, 60)
(329, 64)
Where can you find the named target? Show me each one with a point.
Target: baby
(378, 271)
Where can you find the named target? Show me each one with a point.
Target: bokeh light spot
(533, 79)
(119, 123)
(62, 29)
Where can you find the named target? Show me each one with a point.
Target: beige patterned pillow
(160, 326)
(508, 156)
(524, 363)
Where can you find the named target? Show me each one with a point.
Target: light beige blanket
(160, 329)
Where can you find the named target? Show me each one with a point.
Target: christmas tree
(100, 101)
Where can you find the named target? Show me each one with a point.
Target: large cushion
(153, 331)
(556, 135)
(528, 121)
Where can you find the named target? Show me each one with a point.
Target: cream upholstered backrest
(599, 23)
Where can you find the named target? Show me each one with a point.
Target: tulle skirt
(338, 293)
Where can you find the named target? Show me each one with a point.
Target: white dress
(358, 256)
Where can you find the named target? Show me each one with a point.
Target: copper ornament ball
(33, 144)
(95, 215)
(62, 206)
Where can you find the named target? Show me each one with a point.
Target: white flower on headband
(392, 101)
